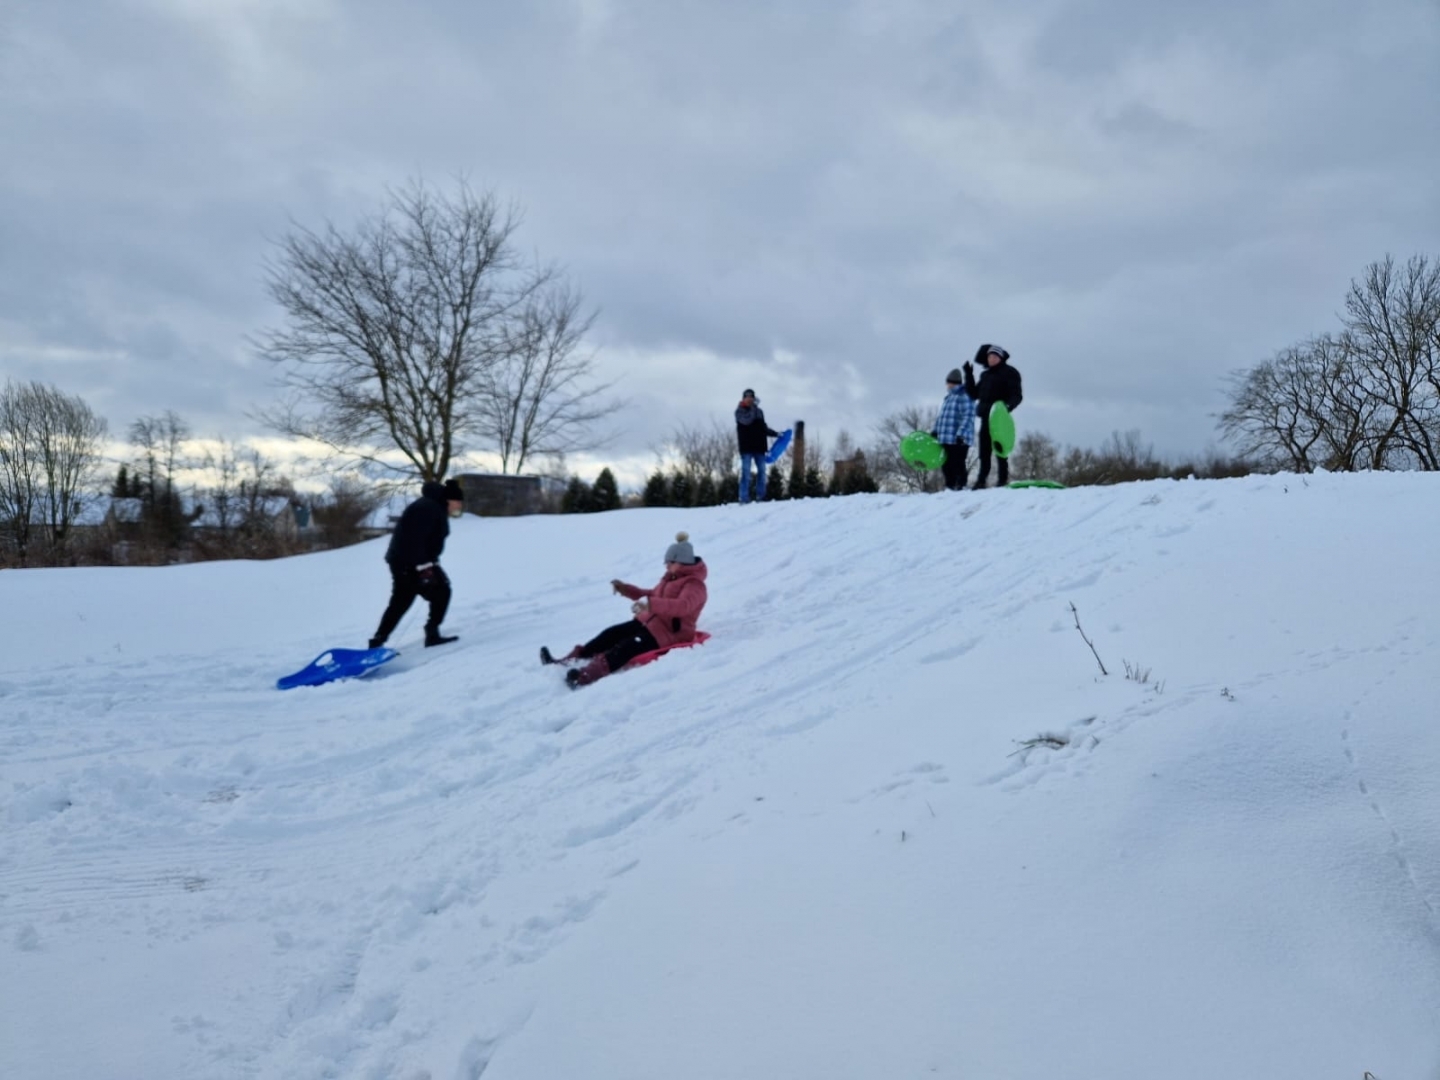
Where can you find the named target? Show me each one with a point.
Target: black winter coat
(419, 535)
(998, 383)
(753, 436)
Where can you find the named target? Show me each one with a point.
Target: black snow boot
(434, 637)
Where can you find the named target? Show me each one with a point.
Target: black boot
(547, 657)
(376, 642)
(434, 637)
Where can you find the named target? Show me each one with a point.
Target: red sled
(654, 654)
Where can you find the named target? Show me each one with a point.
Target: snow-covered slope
(817, 846)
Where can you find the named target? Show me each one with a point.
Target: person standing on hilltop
(754, 438)
(998, 382)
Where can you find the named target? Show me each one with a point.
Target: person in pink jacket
(664, 616)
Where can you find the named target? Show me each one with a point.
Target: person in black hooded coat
(998, 382)
(414, 560)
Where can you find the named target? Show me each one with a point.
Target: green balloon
(921, 451)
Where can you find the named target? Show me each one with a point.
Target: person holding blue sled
(414, 560)
(955, 430)
(998, 382)
(753, 435)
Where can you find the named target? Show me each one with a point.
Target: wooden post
(797, 453)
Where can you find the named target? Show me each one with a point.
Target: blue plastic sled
(335, 664)
(781, 445)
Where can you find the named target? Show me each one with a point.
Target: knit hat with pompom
(680, 551)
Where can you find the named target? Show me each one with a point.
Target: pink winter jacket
(675, 604)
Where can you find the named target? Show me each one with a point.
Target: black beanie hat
(955, 377)
(453, 491)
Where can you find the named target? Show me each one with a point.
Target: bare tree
(1306, 408)
(159, 442)
(223, 495)
(70, 437)
(19, 468)
(1368, 397)
(538, 401)
(1392, 328)
(704, 451)
(342, 510)
(260, 486)
(49, 456)
(397, 332)
(1036, 457)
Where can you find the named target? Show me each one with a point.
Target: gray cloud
(845, 200)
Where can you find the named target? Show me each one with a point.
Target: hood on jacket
(697, 569)
(433, 489)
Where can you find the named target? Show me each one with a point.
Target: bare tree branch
(539, 402)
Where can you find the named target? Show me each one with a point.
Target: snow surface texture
(889, 822)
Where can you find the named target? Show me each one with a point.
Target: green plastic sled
(1036, 483)
(1002, 430)
(921, 451)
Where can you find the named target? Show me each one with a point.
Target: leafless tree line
(422, 331)
(1364, 397)
(198, 499)
(173, 498)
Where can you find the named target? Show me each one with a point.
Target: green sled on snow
(1036, 484)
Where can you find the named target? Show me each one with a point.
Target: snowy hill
(817, 846)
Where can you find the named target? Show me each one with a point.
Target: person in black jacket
(998, 382)
(754, 438)
(414, 559)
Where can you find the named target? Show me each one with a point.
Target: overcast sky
(833, 202)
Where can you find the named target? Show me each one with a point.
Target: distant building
(499, 495)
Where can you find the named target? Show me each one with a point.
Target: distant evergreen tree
(705, 494)
(657, 490)
(775, 487)
(728, 489)
(814, 485)
(682, 491)
(605, 495)
(121, 490)
(579, 498)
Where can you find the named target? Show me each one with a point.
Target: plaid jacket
(956, 422)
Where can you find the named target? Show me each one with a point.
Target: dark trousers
(620, 643)
(957, 466)
(406, 584)
(987, 448)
